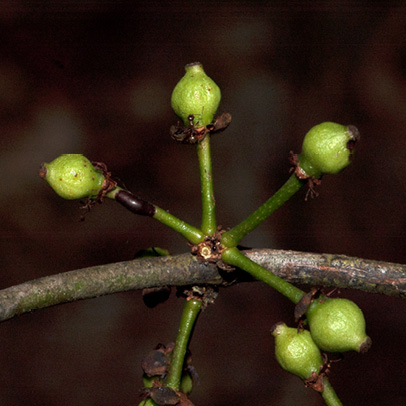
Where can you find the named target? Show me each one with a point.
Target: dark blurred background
(95, 77)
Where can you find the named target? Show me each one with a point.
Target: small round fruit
(72, 176)
(195, 94)
(186, 383)
(296, 351)
(327, 148)
(148, 402)
(337, 325)
(148, 381)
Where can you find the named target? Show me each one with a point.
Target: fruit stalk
(209, 225)
(232, 237)
(329, 395)
(190, 313)
(232, 256)
(139, 206)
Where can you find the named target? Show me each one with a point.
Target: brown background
(95, 77)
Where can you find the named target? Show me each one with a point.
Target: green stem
(209, 225)
(233, 256)
(192, 234)
(232, 237)
(139, 206)
(329, 395)
(190, 313)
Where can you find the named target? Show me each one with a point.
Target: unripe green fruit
(72, 176)
(296, 351)
(148, 402)
(196, 94)
(186, 383)
(327, 148)
(337, 325)
(152, 252)
(148, 381)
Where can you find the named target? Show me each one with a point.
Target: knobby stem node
(190, 314)
(233, 237)
(232, 256)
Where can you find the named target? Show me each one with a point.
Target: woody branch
(182, 270)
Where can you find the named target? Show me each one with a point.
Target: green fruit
(152, 252)
(196, 94)
(296, 351)
(186, 383)
(72, 176)
(327, 148)
(337, 325)
(148, 402)
(148, 381)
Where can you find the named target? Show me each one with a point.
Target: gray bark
(183, 270)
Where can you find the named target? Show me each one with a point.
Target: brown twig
(182, 270)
